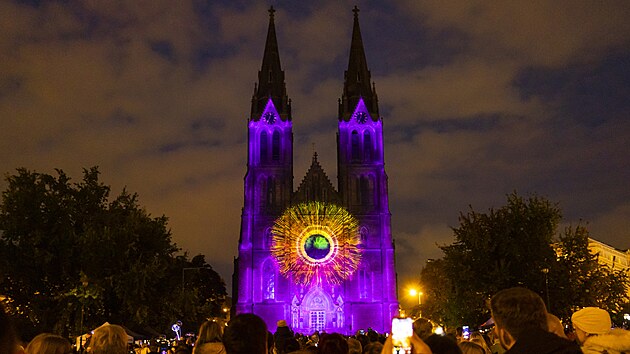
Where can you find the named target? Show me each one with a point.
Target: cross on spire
(356, 11)
(271, 11)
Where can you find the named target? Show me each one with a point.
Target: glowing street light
(414, 292)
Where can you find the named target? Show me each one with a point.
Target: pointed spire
(271, 77)
(357, 81)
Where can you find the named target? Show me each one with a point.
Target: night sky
(479, 99)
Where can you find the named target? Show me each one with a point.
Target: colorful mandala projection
(316, 242)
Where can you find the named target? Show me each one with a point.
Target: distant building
(318, 257)
(609, 256)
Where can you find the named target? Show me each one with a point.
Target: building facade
(609, 256)
(319, 257)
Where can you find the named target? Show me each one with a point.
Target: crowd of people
(522, 325)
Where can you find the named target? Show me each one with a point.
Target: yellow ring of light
(317, 230)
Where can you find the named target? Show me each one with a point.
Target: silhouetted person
(594, 332)
(333, 343)
(48, 343)
(245, 334)
(209, 339)
(282, 335)
(442, 344)
(520, 318)
(109, 339)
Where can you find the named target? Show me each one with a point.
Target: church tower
(363, 185)
(269, 178)
(319, 258)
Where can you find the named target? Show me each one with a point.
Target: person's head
(245, 334)
(373, 348)
(442, 344)
(555, 325)
(210, 331)
(516, 311)
(590, 321)
(182, 349)
(354, 346)
(109, 339)
(47, 343)
(282, 323)
(422, 328)
(479, 339)
(333, 343)
(468, 347)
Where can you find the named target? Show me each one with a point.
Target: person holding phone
(403, 340)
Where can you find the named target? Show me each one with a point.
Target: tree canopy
(517, 245)
(71, 259)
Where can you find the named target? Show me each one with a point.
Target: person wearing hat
(593, 330)
(282, 336)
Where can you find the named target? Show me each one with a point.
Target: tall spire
(271, 77)
(357, 79)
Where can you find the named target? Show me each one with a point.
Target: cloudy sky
(479, 99)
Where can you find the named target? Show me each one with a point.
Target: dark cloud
(479, 100)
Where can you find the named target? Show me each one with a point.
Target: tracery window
(275, 146)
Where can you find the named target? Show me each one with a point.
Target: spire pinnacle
(271, 76)
(357, 81)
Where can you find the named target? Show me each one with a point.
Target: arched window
(354, 140)
(264, 147)
(271, 191)
(268, 238)
(367, 145)
(269, 280)
(366, 191)
(364, 234)
(364, 283)
(275, 146)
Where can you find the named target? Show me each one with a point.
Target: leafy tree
(72, 259)
(436, 287)
(580, 281)
(504, 248)
(514, 246)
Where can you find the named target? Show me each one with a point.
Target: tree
(436, 286)
(504, 248)
(579, 280)
(514, 246)
(71, 258)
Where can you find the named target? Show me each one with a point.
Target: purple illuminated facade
(264, 281)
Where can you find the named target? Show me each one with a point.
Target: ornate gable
(316, 186)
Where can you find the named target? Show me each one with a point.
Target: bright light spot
(413, 292)
(626, 316)
(439, 330)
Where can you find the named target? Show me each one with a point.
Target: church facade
(319, 257)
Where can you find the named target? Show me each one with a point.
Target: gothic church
(298, 260)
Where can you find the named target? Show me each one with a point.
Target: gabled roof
(316, 186)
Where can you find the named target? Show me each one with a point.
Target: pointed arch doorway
(317, 312)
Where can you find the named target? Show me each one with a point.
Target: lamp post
(414, 292)
(545, 272)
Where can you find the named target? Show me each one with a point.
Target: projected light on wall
(316, 242)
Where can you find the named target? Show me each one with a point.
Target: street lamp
(414, 292)
(545, 272)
